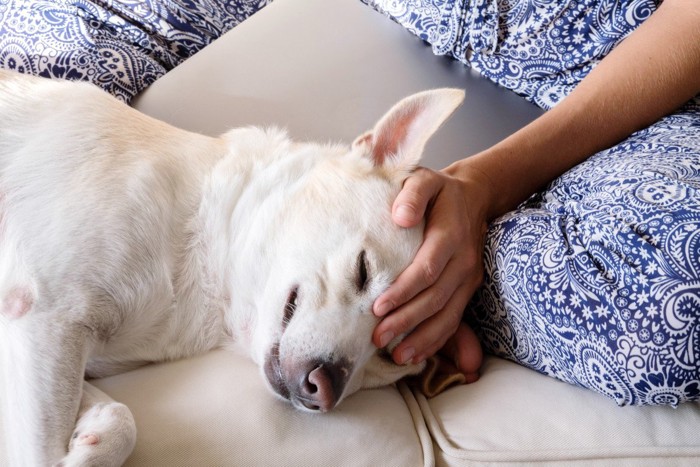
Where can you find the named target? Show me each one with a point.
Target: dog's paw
(104, 436)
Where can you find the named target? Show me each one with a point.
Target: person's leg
(80, 41)
(120, 46)
(540, 50)
(596, 281)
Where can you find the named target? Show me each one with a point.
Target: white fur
(125, 241)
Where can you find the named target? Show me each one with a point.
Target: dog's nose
(320, 384)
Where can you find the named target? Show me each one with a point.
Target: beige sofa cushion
(215, 410)
(513, 414)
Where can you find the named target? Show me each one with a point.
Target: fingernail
(385, 338)
(406, 354)
(405, 212)
(382, 308)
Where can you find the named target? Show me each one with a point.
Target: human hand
(428, 299)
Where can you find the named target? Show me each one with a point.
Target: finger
(413, 199)
(464, 349)
(462, 345)
(432, 333)
(427, 266)
(407, 317)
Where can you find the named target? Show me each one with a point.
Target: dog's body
(125, 241)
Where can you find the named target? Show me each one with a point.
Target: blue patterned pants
(596, 280)
(121, 46)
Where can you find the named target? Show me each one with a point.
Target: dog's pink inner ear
(392, 134)
(397, 141)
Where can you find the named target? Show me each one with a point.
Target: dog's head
(327, 246)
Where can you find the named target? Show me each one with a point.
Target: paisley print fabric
(120, 45)
(538, 48)
(595, 280)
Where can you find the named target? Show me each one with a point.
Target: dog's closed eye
(291, 306)
(362, 278)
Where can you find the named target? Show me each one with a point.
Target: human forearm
(654, 71)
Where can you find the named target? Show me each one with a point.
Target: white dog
(125, 241)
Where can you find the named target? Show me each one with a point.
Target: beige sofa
(328, 69)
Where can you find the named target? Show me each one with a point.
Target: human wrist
(478, 187)
(523, 163)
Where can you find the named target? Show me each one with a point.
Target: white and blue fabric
(595, 280)
(538, 48)
(121, 46)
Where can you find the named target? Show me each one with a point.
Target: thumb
(411, 203)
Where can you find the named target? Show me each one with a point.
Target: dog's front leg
(105, 433)
(43, 368)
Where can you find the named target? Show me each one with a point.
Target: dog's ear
(398, 139)
(381, 370)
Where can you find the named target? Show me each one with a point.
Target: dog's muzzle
(315, 385)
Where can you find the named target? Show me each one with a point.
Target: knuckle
(455, 238)
(424, 172)
(457, 233)
(403, 323)
(403, 294)
(454, 318)
(431, 272)
(417, 181)
(438, 298)
(409, 196)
